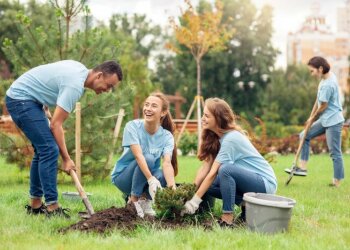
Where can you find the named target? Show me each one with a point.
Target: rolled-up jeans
(30, 117)
(230, 184)
(132, 181)
(333, 137)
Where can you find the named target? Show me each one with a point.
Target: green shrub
(4, 85)
(278, 130)
(188, 143)
(170, 202)
(16, 149)
(291, 130)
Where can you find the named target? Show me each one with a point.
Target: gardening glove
(153, 184)
(139, 210)
(191, 206)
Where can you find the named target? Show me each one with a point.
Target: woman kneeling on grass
(145, 142)
(231, 164)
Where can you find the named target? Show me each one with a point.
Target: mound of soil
(126, 220)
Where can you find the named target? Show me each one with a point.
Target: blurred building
(343, 18)
(315, 38)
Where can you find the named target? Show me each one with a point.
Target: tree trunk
(199, 94)
(67, 36)
(68, 16)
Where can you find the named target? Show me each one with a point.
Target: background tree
(248, 57)
(199, 33)
(9, 29)
(141, 37)
(289, 97)
(39, 44)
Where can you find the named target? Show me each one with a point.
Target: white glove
(153, 185)
(191, 206)
(139, 210)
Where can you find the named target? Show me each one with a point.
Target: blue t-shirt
(159, 144)
(328, 91)
(55, 84)
(237, 150)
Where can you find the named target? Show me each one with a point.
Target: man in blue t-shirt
(59, 85)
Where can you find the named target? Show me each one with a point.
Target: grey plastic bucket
(73, 195)
(267, 213)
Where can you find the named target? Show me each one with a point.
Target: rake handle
(306, 130)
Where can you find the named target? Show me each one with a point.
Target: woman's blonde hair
(225, 120)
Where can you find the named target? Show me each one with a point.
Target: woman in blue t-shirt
(145, 142)
(328, 110)
(231, 164)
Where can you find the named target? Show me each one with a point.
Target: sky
(288, 14)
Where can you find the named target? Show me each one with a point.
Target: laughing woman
(231, 164)
(137, 172)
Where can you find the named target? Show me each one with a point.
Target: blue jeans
(133, 181)
(31, 119)
(232, 182)
(333, 137)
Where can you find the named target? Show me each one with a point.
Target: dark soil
(126, 220)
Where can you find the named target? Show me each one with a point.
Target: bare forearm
(58, 133)
(205, 185)
(141, 162)
(319, 110)
(201, 174)
(314, 109)
(168, 171)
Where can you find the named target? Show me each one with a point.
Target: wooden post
(186, 121)
(199, 121)
(78, 139)
(118, 124)
(177, 106)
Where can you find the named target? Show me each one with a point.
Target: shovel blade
(84, 215)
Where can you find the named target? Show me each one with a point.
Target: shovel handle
(82, 193)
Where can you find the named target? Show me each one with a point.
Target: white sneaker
(139, 210)
(146, 206)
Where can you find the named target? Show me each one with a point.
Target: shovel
(89, 208)
(295, 162)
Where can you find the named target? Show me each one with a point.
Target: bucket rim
(287, 203)
(73, 194)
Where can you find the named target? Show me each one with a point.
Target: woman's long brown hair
(168, 124)
(225, 120)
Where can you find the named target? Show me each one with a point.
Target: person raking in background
(326, 118)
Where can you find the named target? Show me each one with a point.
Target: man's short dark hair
(318, 62)
(110, 68)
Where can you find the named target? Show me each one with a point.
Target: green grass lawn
(321, 218)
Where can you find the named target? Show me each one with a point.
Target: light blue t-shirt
(159, 144)
(55, 84)
(328, 91)
(236, 149)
